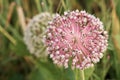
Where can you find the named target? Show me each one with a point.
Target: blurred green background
(16, 63)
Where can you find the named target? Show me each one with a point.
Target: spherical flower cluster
(34, 32)
(76, 38)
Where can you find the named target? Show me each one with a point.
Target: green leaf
(43, 72)
(16, 76)
(69, 74)
(20, 48)
(51, 71)
(88, 72)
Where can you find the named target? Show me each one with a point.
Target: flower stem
(82, 75)
(79, 74)
(76, 76)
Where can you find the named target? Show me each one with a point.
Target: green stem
(76, 76)
(51, 6)
(79, 74)
(38, 5)
(45, 7)
(63, 4)
(59, 5)
(2, 30)
(82, 75)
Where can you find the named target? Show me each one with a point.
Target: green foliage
(15, 61)
(118, 8)
(88, 73)
(20, 48)
(45, 71)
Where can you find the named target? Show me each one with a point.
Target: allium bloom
(77, 38)
(34, 32)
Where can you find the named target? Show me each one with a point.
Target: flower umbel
(34, 32)
(76, 37)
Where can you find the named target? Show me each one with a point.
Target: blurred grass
(15, 59)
